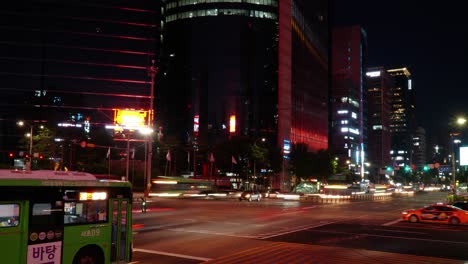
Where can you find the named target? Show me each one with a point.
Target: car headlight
(247, 195)
(404, 212)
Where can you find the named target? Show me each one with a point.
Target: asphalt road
(195, 231)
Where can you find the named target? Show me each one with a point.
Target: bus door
(45, 232)
(13, 226)
(121, 229)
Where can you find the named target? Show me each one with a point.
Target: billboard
(463, 156)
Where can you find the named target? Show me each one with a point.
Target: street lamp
(460, 122)
(30, 135)
(255, 158)
(148, 133)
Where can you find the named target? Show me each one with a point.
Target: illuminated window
(84, 212)
(354, 131)
(9, 215)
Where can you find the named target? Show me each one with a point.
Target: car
(250, 196)
(461, 204)
(436, 213)
(271, 193)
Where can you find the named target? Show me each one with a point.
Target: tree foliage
(305, 164)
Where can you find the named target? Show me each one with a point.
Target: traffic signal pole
(152, 73)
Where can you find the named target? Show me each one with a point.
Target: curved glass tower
(253, 68)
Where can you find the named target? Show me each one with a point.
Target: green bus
(64, 217)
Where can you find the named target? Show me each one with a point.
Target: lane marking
(296, 230)
(171, 254)
(211, 233)
(400, 231)
(397, 237)
(392, 222)
(163, 226)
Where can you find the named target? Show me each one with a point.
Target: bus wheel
(89, 255)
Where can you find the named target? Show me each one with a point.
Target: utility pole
(151, 73)
(128, 157)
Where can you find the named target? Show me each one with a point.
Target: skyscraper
(262, 64)
(74, 62)
(379, 83)
(348, 127)
(402, 120)
(419, 148)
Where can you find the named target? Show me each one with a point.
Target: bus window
(9, 215)
(46, 214)
(85, 212)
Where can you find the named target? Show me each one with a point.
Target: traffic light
(389, 168)
(41, 156)
(407, 168)
(425, 168)
(11, 155)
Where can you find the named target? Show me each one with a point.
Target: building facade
(379, 83)
(419, 148)
(74, 62)
(244, 68)
(402, 119)
(348, 127)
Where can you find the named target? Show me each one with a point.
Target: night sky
(431, 38)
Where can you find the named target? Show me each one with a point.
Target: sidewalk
(289, 253)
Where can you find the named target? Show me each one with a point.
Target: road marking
(397, 237)
(211, 233)
(400, 231)
(392, 222)
(171, 254)
(164, 226)
(296, 230)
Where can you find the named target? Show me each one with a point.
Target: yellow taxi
(436, 213)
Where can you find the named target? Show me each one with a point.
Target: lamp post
(148, 132)
(256, 156)
(151, 73)
(460, 122)
(30, 135)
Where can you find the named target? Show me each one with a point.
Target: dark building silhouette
(74, 61)
(419, 148)
(348, 125)
(402, 120)
(263, 62)
(379, 84)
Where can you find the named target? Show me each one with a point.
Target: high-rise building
(419, 148)
(402, 119)
(348, 127)
(245, 68)
(74, 62)
(379, 83)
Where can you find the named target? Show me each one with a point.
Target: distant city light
(463, 156)
(196, 123)
(69, 125)
(373, 74)
(232, 123)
